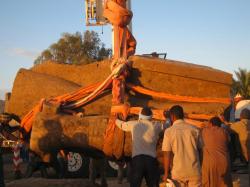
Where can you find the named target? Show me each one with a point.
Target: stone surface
(153, 73)
(52, 132)
(30, 87)
(51, 79)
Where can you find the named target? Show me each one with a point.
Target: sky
(214, 33)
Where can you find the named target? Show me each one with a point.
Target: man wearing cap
(145, 134)
(242, 129)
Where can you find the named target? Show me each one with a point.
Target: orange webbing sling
(162, 95)
(27, 120)
(83, 92)
(124, 46)
(158, 114)
(74, 99)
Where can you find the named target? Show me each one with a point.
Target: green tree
(76, 49)
(242, 84)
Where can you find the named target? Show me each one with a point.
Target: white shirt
(145, 134)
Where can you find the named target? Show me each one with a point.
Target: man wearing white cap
(145, 134)
(242, 129)
(240, 106)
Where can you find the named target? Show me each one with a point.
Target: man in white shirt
(145, 134)
(181, 144)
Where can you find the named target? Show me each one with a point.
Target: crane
(116, 12)
(103, 12)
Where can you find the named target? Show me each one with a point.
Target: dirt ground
(40, 182)
(37, 181)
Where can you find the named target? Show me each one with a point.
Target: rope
(119, 16)
(162, 95)
(75, 99)
(124, 46)
(87, 94)
(158, 114)
(100, 88)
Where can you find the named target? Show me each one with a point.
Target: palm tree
(242, 84)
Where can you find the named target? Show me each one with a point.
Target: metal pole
(130, 24)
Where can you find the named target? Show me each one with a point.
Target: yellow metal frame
(94, 13)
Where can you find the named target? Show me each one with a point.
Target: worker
(145, 134)
(120, 171)
(181, 149)
(35, 163)
(8, 127)
(98, 166)
(242, 129)
(215, 162)
(1, 167)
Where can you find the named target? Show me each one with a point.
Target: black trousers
(1, 170)
(144, 166)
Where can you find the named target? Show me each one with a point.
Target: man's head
(146, 113)
(176, 112)
(215, 121)
(245, 114)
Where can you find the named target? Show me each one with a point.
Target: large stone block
(178, 78)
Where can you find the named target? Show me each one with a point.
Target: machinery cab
(94, 13)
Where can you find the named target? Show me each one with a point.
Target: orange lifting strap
(124, 42)
(63, 100)
(124, 46)
(83, 92)
(158, 114)
(171, 97)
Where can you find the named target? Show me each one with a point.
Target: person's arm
(160, 128)
(233, 126)
(167, 154)
(125, 126)
(200, 145)
(167, 158)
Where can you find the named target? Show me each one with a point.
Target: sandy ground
(37, 181)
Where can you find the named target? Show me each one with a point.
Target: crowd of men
(192, 157)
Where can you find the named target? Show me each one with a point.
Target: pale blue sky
(215, 33)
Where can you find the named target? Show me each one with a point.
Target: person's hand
(222, 118)
(80, 115)
(120, 116)
(164, 178)
(166, 114)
